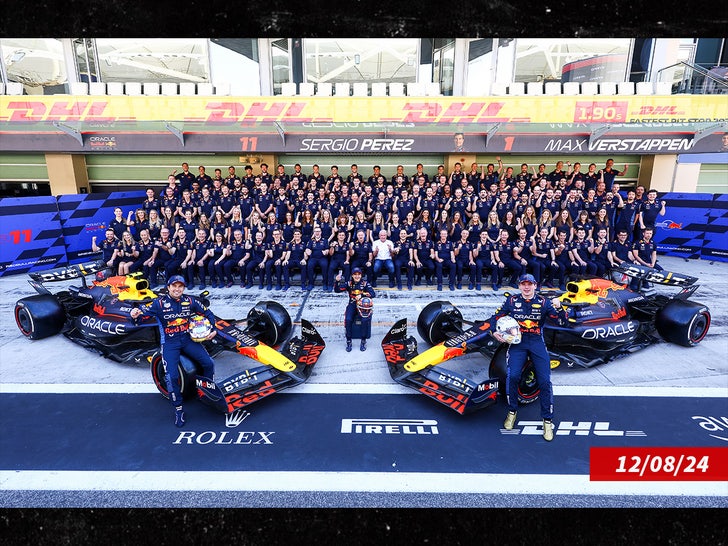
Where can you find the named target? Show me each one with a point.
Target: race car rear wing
(649, 274)
(68, 272)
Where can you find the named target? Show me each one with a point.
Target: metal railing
(695, 79)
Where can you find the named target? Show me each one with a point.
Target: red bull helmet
(199, 328)
(509, 329)
(365, 307)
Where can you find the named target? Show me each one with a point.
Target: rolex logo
(234, 419)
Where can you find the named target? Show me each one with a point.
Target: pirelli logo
(425, 427)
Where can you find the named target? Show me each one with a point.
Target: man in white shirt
(382, 251)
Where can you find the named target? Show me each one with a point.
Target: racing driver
(530, 311)
(173, 311)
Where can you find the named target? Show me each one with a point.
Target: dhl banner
(440, 110)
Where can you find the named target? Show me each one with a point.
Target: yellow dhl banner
(441, 110)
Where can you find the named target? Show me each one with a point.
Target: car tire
(39, 316)
(269, 322)
(683, 322)
(187, 375)
(439, 321)
(528, 389)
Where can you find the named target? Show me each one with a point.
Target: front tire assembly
(39, 316)
(187, 375)
(439, 321)
(269, 322)
(683, 322)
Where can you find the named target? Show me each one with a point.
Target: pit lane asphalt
(57, 361)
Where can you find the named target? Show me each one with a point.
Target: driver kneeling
(173, 312)
(360, 294)
(530, 312)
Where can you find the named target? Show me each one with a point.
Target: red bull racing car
(96, 315)
(607, 320)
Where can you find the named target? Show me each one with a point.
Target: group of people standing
(488, 223)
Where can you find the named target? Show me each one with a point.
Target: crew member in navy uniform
(444, 260)
(295, 258)
(649, 211)
(403, 258)
(173, 311)
(357, 288)
(338, 257)
(530, 311)
(276, 252)
(423, 254)
(317, 255)
(108, 248)
(185, 178)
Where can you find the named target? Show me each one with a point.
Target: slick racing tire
(269, 322)
(683, 322)
(187, 375)
(439, 321)
(39, 316)
(528, 389)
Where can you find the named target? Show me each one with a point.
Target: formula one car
(97, 316)
(606, 320)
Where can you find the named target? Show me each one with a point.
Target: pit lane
(85, 431)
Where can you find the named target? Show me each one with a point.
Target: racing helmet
(365, 306)
(199, 328)
(509, 329)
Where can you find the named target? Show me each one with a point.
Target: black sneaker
(348, 345)
(363, 345)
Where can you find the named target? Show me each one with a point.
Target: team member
(339, 257)
(108, 248)
(444, 260)
(276, 252)
(165, 252)
(258, 257)
(644, 252)
(403, 258)
(357, 289)
(238, 257)
(423, 254)
(295, 258)
(464, 260)
(382, 251)
(173, 311)
(530, 311)
(317, 255)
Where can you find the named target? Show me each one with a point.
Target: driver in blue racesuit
(530, 311)
(173, 311)
(357, 288)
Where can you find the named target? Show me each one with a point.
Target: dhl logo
(74, 110)
(455, 112)
(660, 111)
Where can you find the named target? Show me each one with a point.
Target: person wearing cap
(357, 288)
(173, 311)
(530, 311)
